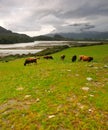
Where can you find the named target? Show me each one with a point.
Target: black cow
(62, 57)
(74, 58)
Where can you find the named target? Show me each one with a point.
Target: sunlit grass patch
(56, 94)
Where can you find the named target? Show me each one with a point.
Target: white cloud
(43, 30)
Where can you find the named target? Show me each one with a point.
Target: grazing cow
(48, 57)
(62, 57)
(30, 60)
(74, 58)
(85, 58)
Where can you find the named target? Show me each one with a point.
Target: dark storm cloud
(89, 8)
(75, 24)
(59, 15)
(87, 27)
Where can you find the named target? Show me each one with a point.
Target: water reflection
(14, 52)
(25, 48)
(17, 45)
(35, 43)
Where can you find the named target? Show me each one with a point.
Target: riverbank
(47, 51)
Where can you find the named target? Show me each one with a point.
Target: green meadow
(56, 94)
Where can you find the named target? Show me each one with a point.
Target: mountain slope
(7, 37)
(4, 31)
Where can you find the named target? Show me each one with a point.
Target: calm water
(25, 48)
(17, 45)
(22, 48)
(13, 52)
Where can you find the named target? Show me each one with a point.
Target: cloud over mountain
(35, 17)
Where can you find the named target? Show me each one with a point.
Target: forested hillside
(7, 37)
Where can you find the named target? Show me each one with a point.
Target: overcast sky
(37, 17)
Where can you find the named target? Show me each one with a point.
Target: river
(36, 46)
(25, 48)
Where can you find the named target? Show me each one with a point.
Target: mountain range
(88, 35)
(7, 36)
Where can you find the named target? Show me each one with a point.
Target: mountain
(4, 31)
(90, 35)
(55, 37)
(7, 37)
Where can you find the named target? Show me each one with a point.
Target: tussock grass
(49, 95)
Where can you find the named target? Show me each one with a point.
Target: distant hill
(84, 35)
(7, 37)
(54, 37)
(90, 35)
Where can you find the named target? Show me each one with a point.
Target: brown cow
(30, 60)
(48, 57)
(85, 58)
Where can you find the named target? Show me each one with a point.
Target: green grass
(49, 95)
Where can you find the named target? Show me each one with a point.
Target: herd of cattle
(73, 59)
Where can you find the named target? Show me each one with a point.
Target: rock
(51, 116)
(37, 100)
(96, 68)
(69, 70)
(81, 106)
(20, 88)
(77, 75)
(91, 65)
(91, 95)
(27, 96)
(89, 79)
(85, 88)
(105, 66)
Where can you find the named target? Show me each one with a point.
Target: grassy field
(55, 94)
